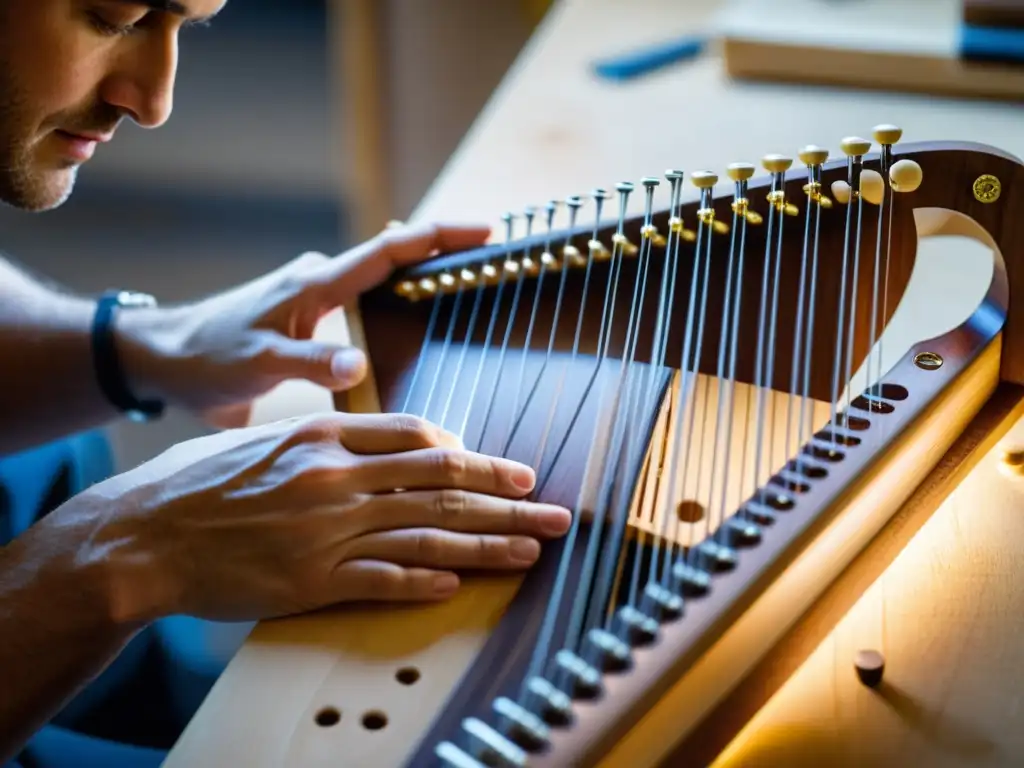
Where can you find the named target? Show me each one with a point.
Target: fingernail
(445, 583)
(522, 477)
(348, 365)
(524, 550)
(555, 522)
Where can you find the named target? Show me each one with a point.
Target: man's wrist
(145, 339)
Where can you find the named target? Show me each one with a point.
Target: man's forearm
(58, 628)
(49, 387)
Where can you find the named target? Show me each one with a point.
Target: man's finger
(391, 433)
(462, 512)
(436, 468)
(371, 263)
(436, 548)
(386, 582)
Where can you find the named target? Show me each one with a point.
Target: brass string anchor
(814, 157)
(649, 231)
(777, 165)
(705, 182)
(619, 239)
(741, 173)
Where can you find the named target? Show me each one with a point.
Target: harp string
(805, 422)
(666, 303)
(478, 299)
(692, 338)
(837, 362)
(636, 439)
(606, 475)
(731, 330)
(546, 257)
(569, 254)
(702, 267)
(729, 340)
(511, 266)
(545, 637)
(673, 241)
(485, 272)
(766, 347)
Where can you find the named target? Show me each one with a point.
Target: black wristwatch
(109, 372)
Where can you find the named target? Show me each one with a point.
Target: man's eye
(107, 27)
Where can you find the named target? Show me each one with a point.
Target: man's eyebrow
(170, 6)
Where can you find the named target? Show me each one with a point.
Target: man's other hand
(296, 515)
(215, 356)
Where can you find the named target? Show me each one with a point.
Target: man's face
(70, 71)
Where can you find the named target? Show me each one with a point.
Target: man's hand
(299, 514)
(216, 356)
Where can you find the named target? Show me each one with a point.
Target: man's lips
(81, 146)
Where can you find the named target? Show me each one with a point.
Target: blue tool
(992, 43)
(648, 59)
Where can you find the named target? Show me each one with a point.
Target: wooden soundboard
(946, 611)
(897, 45)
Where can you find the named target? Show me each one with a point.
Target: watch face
(134, 299)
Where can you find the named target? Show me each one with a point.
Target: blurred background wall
(251, 169)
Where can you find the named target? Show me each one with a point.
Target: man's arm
(48, 388)
(59, 625)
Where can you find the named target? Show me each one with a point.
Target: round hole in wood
(374, 720)
(327, 717)
(690, 511)
(813, 471)
(407, 675)
(889, 391)
(852, 422)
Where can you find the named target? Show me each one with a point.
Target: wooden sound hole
(327, 717)
(407, 675)
(690, 512)
(374, 721)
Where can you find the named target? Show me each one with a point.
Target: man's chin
(42, 192)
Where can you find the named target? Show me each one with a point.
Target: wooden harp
(704, 384)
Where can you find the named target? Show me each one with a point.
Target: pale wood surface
(894, 44)
(551, 130)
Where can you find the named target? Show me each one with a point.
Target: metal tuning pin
(649, 231)
(690, 581)
(522, 726)
(510, 265)
(904, 175)
(814, 157)
(777, 165)
(887, 135)
(607, 652)
(675, 221)
(741, 174)
(854, 148)
(491, 747)
(598, 251)
(624, 188)
(547, 258)
(635, 626)
(705, 182)
(570, 252)
(554, 706)
(584, 679)
(661, 602)
(527, 264)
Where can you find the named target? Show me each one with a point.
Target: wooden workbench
(552, 129)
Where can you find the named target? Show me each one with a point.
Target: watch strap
(107, 364)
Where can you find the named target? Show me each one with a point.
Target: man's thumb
(328, 365)
(347, 368)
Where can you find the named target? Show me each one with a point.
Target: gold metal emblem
(987, 188)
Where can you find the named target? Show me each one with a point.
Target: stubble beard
(21, 184)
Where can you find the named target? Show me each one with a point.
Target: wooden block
(897, 45)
